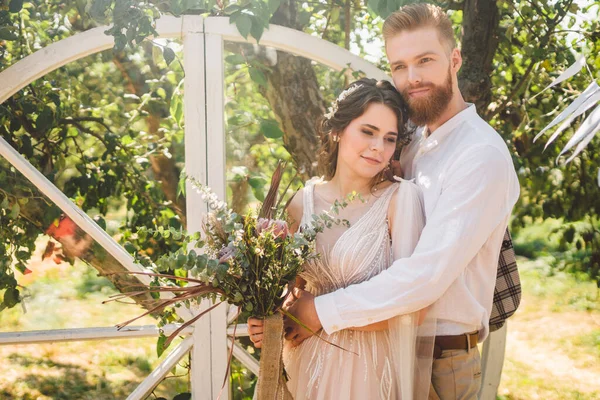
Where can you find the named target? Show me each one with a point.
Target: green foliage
(90, 136)
(537, 42)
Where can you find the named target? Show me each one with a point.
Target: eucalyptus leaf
(160, 345)
(15, 210)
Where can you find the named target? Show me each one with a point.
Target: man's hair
(421, 15)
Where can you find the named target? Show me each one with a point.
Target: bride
(359, 136)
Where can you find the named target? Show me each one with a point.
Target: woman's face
(368, 142)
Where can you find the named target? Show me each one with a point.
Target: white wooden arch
(203, 53)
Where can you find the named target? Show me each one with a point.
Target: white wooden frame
(205, 160)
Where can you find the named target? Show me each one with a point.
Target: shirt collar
(434, 139)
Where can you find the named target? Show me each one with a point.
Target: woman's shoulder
(295, 208)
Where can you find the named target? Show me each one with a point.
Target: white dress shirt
(469, 188)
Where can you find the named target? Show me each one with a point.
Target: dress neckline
(360, 219)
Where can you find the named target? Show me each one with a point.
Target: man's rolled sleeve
(328, 313)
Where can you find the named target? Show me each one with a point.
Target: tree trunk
(293, 93)
(479, 45)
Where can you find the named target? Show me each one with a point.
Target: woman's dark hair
(351, 104)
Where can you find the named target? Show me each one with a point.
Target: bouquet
(250, 261)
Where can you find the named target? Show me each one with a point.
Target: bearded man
(469, 188)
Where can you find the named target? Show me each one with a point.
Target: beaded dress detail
(348, 255)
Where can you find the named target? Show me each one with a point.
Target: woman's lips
(371, 161)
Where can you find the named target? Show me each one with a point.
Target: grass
(553, 343)
(64, 296)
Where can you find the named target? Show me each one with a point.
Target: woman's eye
(391, 140)
(424, 60)
(367, 132)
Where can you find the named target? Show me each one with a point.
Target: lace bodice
(348, 254)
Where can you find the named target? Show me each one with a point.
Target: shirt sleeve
(478, 192)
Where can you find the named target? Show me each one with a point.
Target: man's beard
(425, 110)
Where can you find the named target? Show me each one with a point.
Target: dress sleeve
(410, 343)
(408, 219)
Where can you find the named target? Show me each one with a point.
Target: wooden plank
(492, 361)
(148, 385)
(298, 43)
(65, 204)
(240, 331)
(215, 144)
(195, 165)
(81, 334)
(246, 359)
(73, 48)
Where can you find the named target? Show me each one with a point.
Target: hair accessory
(334, 107)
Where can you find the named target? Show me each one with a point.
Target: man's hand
(303, 309)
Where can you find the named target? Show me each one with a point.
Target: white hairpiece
(334, 107)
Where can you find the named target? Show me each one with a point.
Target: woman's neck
(343, 185)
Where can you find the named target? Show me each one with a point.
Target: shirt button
(334, 327)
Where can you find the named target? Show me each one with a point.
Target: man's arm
(479, 192)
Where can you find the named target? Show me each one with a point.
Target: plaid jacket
(507, 293)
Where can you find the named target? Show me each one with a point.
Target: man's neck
(456, 105)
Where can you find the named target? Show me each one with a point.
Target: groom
(469, 186)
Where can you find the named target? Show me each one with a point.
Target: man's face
(424, 71)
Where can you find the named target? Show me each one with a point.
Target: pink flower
(262, 225)
(280, 229)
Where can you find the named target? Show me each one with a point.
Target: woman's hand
(255, 330)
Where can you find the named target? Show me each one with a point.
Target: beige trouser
(456, 375)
